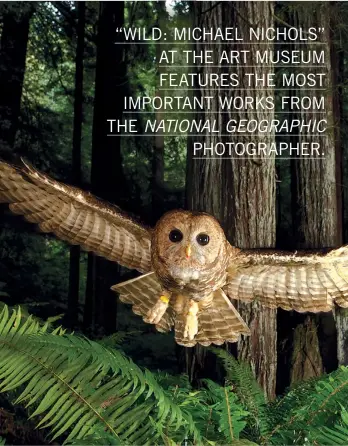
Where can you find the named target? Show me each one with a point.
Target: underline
(221, 112)
(281, 64)
(240, 135)
(256, 158)
(232, 42)
(241, 89)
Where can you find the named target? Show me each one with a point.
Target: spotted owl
(190, 272)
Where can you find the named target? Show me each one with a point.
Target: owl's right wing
(306, 281)
(75, 216)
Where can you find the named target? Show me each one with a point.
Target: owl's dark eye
(175, 236)
(202, 239)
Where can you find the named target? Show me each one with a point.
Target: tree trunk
(107, 176)
(240, 192)
(158, 147)
(316, 205)
(74, 266)
(338, 79)
(13, 50)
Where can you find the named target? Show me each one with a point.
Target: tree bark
(13, 50)
(316, 201)
(158, 147)
(74, 261)
(107, 175)
(338, 79)
(240, 192)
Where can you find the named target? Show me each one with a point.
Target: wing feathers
(75, 216)
(142, 293)
(218, 323)
(301, 282)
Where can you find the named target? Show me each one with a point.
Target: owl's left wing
(306, 281)
(75, 216)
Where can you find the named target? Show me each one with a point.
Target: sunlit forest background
(61, 78)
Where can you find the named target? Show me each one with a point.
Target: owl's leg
(157, 311)
(191, 323)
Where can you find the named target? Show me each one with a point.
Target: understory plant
(86, 392)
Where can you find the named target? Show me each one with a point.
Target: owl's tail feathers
(143, 293)
(218, 322)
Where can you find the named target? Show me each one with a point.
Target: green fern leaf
(78, 385)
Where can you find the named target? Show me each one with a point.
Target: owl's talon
(191, 324)
(157, 311)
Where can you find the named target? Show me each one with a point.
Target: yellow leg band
(164, 299)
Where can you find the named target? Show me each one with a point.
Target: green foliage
(312, 412)
(78, 387)
(85, 392)
(226, 411)
(252, 397)
(307, 408)
(2, 441)
(338, 435)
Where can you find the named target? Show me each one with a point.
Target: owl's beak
(188, 251)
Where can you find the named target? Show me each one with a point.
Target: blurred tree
(337, 52)
(74, 261)
(316, 203)
(107, 177)
(14, 40)
(158, 147)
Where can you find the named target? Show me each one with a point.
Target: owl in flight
(190, 271)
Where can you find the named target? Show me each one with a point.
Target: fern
(79, 386)
(88, 393)
(249, 393)
(2, 442)
(231, 417)
(216, 410)
(297, 417)
(338, 435)
(305, 409)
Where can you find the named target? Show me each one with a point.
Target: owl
(190, 272)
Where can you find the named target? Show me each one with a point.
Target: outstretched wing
(304, 281)
(75, 216)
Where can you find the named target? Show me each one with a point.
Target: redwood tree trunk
(317, 205)
(240, 192)
(13, 50)
(338, 79)
(74, 267)
(107, 176)
(157, 182)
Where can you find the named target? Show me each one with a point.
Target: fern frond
(79, 386)
(337, 435)
(2, 441)
(231, 417)
(305, 409)
(249, 393)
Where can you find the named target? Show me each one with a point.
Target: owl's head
(184, 238)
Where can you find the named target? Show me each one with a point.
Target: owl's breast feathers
(194, 280)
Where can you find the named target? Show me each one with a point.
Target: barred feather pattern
(218, 320)
(75, 216)
(304, 281)
(142, 293)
